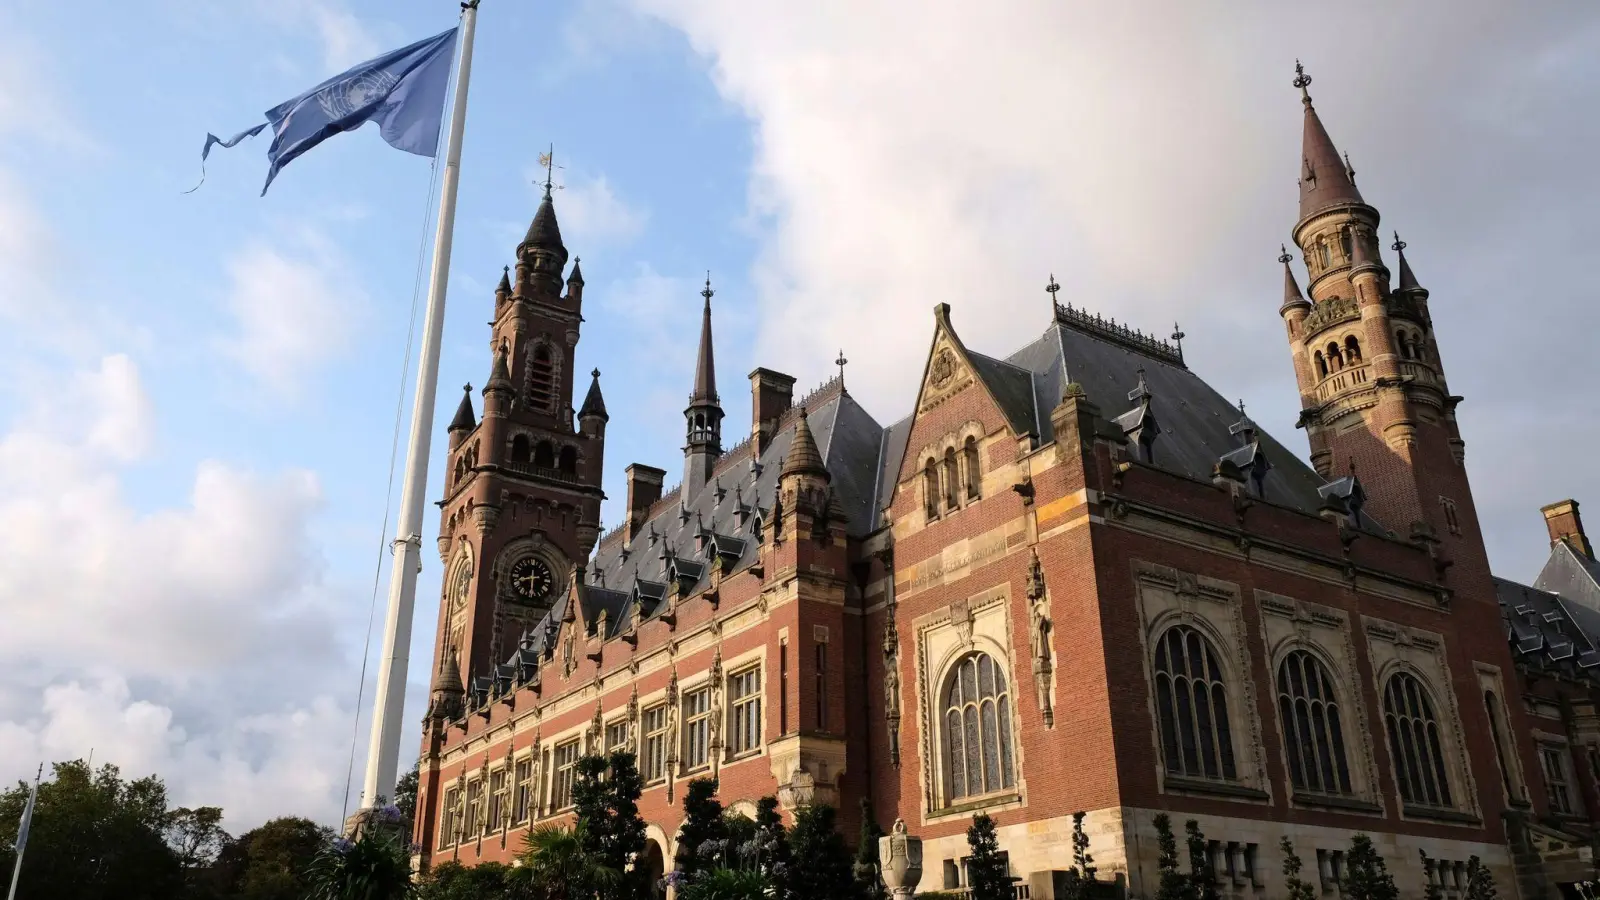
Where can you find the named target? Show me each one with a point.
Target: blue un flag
(403, 91)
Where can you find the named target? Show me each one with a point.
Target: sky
(199, 391)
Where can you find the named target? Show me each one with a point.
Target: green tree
(772, 848)
(453, 881)
(93, 835)
(821, 864)
(605, 796)
(375, 866)
(405, 797)
(1174, 885)
(1480, 884)
(702, 825)
(270, 862)
(987, 878)
(866, 865)
(1431, 877)
(1298, 888)
(555, 866)
(725, 884)
(741, 842)
(1201, 872)
(1082, 874)
(1366, 877)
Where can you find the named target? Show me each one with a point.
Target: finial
(548, 160)
(1398, 244)
(708, 293)
(1302, 81)
(841, 362)
(467, 388)
(1052, 287)
(595, 374)
(1349, 170)
(1284, 256)
(1177, 338)
(1241, 407)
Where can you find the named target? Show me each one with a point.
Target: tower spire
(703, 417)
(1291, 289)
(1408, 279)
(1325, 179)
(705, 368)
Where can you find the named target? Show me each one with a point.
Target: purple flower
(413, 848)
(342, 845)
(390, 813)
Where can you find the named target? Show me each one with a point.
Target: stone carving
(900, 860)
(714, 745)
(891, 684)
(943, 368)
(1039, 634)
(961, 618)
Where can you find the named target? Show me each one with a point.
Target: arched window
(1344, 242)
(952, 479)
(1352, 350)
(930, 488)
(1335, 360)
(541, 379)
(1403, 343)
(1192, 706)
(1414, 742)
(569, 460)
(1322, 365)
(1312, 733)
(977, 730)
(1323, 255)
(519, 449)
(974, 469)
(544, 456)
(461, 469)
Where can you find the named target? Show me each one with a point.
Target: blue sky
(198, 389)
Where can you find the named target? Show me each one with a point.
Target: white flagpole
(388, 708)
(22, 832)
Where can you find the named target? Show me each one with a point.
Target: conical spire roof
(803, 458)
(543, 231)
(1408, 279)
(464, 420)
(1325, 179)
(593, 403)
(577, 272)
(504, 287)
(1291, 288)
(449, 679)
(500, 375)
(705, 367)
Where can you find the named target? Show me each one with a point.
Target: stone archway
(655, 867)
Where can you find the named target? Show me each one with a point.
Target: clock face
(531, 579)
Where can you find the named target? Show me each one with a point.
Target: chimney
(644, 489)
(771, 395)
(1565, 525)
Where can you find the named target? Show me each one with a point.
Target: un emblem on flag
(356, 93)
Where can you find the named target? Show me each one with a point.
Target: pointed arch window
(568, 461)
(974, 468)
(1313, 734)
(1192, 706)
(952, 479)
(542, 378)
(978, 757)
(930, 488)
(1322, 364)
(1415, 745)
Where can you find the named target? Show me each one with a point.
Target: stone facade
(1073, 579)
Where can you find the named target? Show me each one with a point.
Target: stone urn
(900, 861)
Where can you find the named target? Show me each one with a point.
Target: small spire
(1177, 338)
(803, 458)
(1408, 279)
(841, 362)
(504, 287)
(500, 375)
(1325, 180)
(1349, 170)
(577, 271)
(705, 370)
(1291, 289)
(1302, 81)
(1051, 287)
(464, 420)
(594, 405)
(1363, 252)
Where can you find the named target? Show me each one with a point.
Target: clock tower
(521, 506)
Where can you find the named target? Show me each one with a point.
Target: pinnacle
(1325, 179)
(803, 458)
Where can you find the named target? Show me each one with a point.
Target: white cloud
(343, 38)
(1146, 154)
(592, 213)
(30, 101)
(27, 249)
(293, 304)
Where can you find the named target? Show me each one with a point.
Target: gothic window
(472, 827)
(696, 728)
(568, 461)
(1352, 350)
(1558, 779)
(566, 770)
(542, 378)
(1312, 733)
(1497, 730)
(1192, 706)
(744, 710)
(544, 456)
(497, 798)
(1415, 745)
(1322, 364)
(951, 479)
(930, 488)
(977, 730)
(448, 820)
(1404, 342)
(969, 454)
(653, 764)
(519, 449)
(1335, 360)
(522, 791)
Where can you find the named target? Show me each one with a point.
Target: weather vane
(708, 293)
(1052, 287)
(1302, 80)
(841, 362)
(548, 160)
(1398, 244)
(1283, 255)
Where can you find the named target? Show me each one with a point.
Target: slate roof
(1548, 632)
(1572, 575)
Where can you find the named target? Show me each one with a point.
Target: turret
(575, 284)
(464, 421)
(703, 416)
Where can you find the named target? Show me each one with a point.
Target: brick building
(1072, 578)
